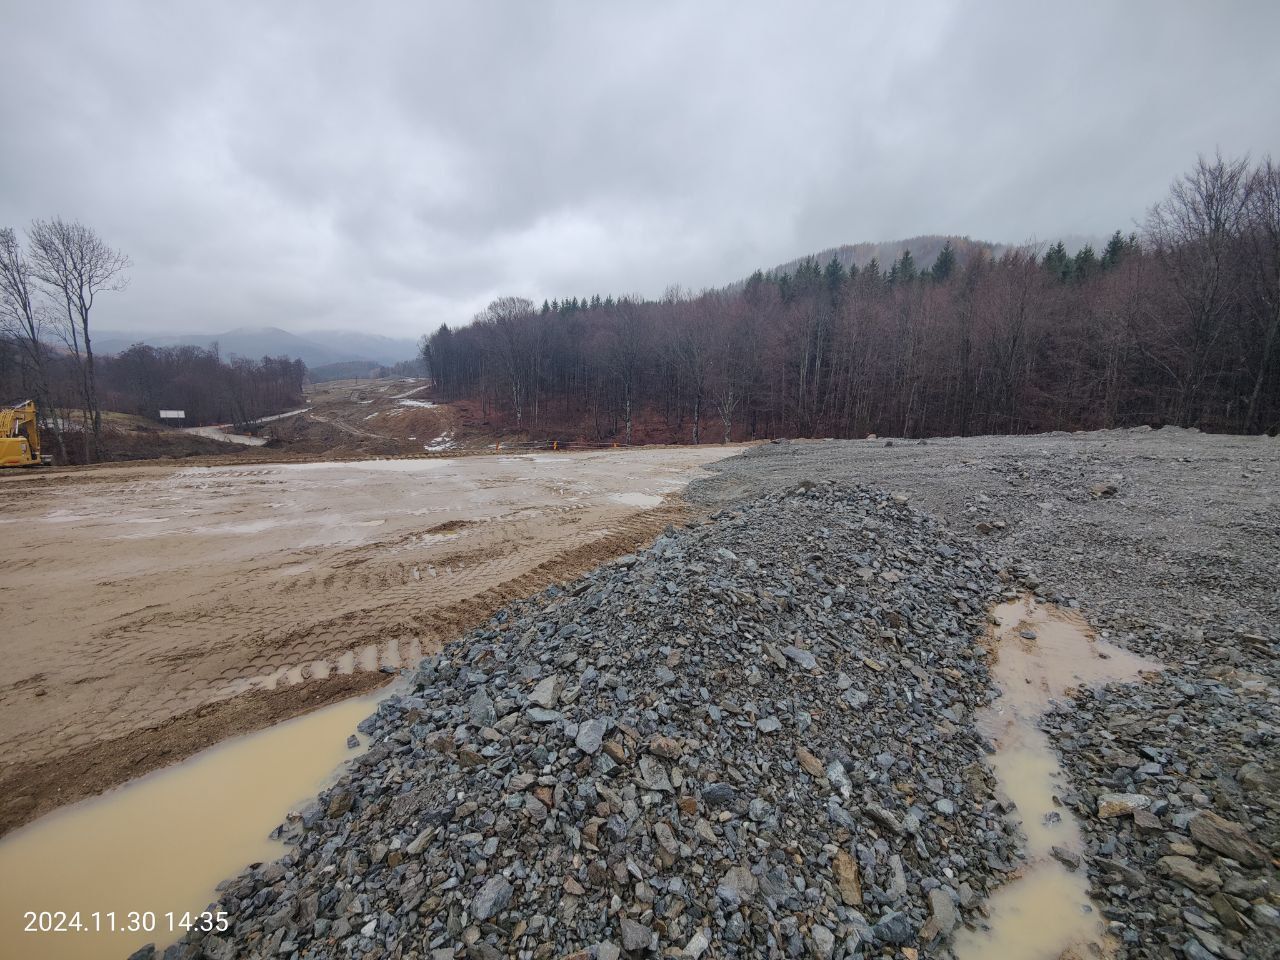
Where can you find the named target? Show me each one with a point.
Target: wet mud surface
(152, 593)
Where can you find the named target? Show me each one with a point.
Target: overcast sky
(389, 167)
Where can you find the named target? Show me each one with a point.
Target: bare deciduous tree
(517, 339)
(75, 265)
(1264, 215)
(22, 319)
(1193, 232)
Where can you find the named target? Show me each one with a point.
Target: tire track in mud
(256, 637)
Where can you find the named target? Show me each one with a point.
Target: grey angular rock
(697, 944)
(739, 885)
(653, 775)
(547, 693)
(942, 916)
(822, 943)
(1068, 858)
(769, 725)
(894, 928)
(884, 818)
(666, 839)
(718, 795)
(1185, 871)
(635, 936)
(591, 735)
(1228, 838)
(802, 658)
(839, 779)
(492, 898)
(480, 709)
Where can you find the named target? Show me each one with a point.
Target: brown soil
(37, 786)
(164, 608)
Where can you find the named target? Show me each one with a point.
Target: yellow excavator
(20, 437)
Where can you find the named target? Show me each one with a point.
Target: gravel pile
(752, 739)
(1169, 538)
(1169, 542)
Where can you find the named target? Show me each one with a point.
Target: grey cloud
(394, 166)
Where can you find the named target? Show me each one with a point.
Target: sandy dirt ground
(161, 608)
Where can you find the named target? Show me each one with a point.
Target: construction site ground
(156, 609)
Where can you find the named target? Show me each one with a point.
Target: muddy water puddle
(1041, 653)
(160, 844)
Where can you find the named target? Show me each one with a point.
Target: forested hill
(923, 249)
(1178, 325)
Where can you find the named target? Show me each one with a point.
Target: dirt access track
(153, 610)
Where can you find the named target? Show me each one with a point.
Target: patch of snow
(218, 433)
(279, 416)
(416, 403)
(410, 393)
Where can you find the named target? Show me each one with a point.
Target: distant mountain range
(315, 348)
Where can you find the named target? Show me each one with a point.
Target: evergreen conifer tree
(1086, 262)
(833, 278)
(945, 265)
(1058, 262)
(1114, 251)
(907, 270)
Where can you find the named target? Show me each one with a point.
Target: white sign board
(173, 414)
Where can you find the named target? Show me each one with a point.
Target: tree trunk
(1252, 416)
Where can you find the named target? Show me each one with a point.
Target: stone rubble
(1195, 752)
(1176, 558)
(752, 739)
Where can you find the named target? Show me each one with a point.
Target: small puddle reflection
(163, 842)
(1041, 652)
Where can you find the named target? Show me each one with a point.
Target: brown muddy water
(158, 846)
(1044, 913)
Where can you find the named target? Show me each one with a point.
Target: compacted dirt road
(159, 609)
